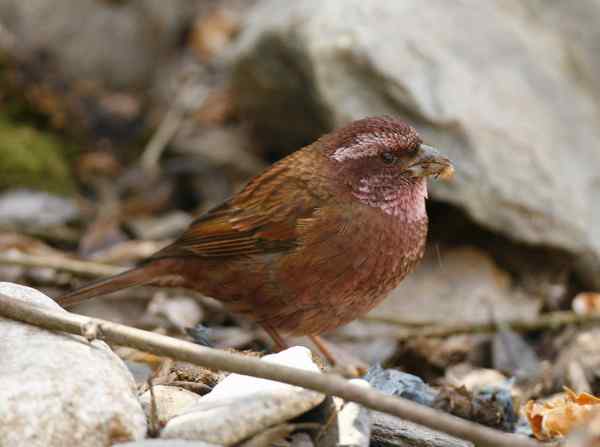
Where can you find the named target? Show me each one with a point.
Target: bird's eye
(388, 158)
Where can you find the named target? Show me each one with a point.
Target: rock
(170, 401)
(353, 420)
(461, 285)
(242, 406)
(35, 209)
(58, 389)
(119, 44)
(517, 112)
(398, 383)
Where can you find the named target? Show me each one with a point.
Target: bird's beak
(429, 162)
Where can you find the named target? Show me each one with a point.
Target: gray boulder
(120, 44)
(508, 89)
(58, 389)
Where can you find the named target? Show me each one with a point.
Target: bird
(312, 243)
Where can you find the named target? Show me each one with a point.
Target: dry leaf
(559, 415)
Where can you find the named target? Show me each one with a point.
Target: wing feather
(262, 218)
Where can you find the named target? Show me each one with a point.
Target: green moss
(31, 158)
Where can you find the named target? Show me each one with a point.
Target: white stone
(242, 406)
(60, 390)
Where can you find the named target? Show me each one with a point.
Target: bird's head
(383, 162)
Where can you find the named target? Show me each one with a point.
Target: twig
(153, 423)
(551, 320)
(161, 138)
(189, 95)
(83, 268)
(221, 360)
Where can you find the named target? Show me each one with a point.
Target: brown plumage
(312, 243)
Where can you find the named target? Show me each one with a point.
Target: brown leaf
(560, 415)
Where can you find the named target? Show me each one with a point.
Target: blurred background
(122, 119)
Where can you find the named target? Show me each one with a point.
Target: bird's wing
(262, 218)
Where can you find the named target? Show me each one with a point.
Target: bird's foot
(342, 363)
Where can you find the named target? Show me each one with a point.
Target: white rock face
(508, 90)
(59, 390)
(241, 406)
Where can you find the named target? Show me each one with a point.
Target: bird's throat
(405, 201)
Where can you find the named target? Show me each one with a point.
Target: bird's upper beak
(429, 162)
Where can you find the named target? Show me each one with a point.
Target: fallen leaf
(558, 416)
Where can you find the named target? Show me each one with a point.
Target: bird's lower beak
(429, 162)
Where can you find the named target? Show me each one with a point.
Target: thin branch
(190, 95)
(212, 358)
(161, 138)
(550, 320)
(83, 268)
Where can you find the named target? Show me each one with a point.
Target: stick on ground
(216, 359)
(75, 266)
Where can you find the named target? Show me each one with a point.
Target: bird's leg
(280, 344)
(278, 339)
(321, 346)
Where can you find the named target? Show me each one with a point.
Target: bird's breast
(342, 276)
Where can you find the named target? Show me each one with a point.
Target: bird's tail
(138, 276)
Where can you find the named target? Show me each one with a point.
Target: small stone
(35, 209)
(398, 383)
